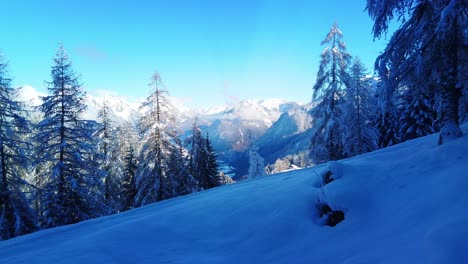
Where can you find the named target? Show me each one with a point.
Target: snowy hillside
(402, 204)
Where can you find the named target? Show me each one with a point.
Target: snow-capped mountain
(231, 128)
(290, 134)
(234, 124)
(234, 128)
(122, 109)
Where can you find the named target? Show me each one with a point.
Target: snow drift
(403, 204)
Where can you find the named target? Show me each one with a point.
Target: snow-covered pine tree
(197, 156)
(109, 158)
(178, 171)
(431, 41)
(326, 143)
(128, 188)
(203, 165)
(128, 138)
(16, 216)
(71, 180)
(256, 162)
(210, 171)
(358, 135)
(157, 129)
(385, 119)
(417, 116)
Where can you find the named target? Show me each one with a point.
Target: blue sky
(207, 52)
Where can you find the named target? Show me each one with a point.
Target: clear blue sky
(207, 51)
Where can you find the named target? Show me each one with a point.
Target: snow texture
(403, 204)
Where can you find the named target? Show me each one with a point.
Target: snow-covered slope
(403, 204)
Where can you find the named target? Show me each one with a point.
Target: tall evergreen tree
(386, 120)
(197, 161)
(358, 134)
(109, 158)
(203, 163)
(211, 165)
(157, 128)
(71, 183)
(417, 116)
(179, 173)
(326, 143)
(128, 137)
(16, 215)
(256, 162)
(128, 191)
(430, 44)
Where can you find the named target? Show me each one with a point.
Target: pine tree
(326, 143)
(127, 135)
(385, 120)
(203, 163)
(71, 184)
(417, 116)
(358, 135)
(16, 216)
(157, 128)
(179, 173)
(197, 157)
(431, 45)
(210, 171)
(128, 191)
(256, 162)
(108, 155)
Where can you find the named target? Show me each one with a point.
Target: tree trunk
(451, 94)
(451, 126)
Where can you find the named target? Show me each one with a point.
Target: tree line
(63, 169)
(421, 86)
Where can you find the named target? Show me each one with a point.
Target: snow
(30, 95)
(403, 204)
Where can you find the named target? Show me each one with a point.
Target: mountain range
(278, 127)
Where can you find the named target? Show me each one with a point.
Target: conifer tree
(256, 162)
(179, 173)
(358, 135)
(71, 181)
(211, 165)
(326, 143)
(157, 129)
(203, 163)
(196, 162)
(128, 191)
(16, 216)
(108, 155)
(431, 45)
(417, 116)
(386, 120)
